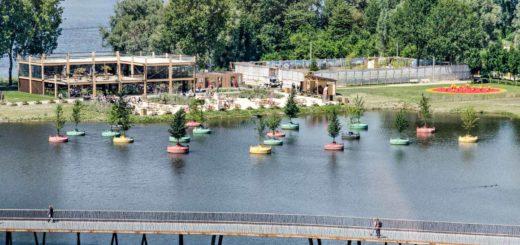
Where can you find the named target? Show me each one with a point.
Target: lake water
(81, 22)
(433, 179)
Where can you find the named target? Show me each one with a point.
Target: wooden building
(321, 86)
(92, 74)
(218, 80)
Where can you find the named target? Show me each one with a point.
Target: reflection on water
(430, 179)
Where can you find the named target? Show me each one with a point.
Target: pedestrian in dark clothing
(50, 213)
(377, 227)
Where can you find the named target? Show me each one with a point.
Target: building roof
(112, 58)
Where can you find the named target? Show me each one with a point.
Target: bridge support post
(143, 240)
(311, 242)
(220, 238)
(213, 239)
(358, 242)
(43, 238)
(78, 239)
(349, 242)
(8, 238)
(319, 241)
(35, 238)
(114, 239)
(181, 240)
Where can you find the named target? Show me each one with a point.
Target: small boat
(201, 130)
(184, 139)
(58, 139)
(122, 140)
(76, 133)
(425, 130)
(350, 136)
(399, 141)
(362, 126)
(193, 124)
(110, 133)
(260, 149)
(334, 147)
(468, 139)
(273, 142)
(277, 134)
(178, 149)
(290, 126)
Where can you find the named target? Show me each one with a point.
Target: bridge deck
(263, 225)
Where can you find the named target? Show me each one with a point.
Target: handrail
(264, 219)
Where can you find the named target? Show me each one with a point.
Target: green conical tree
(273, 122)
(196, 112)
(334, 125)
(425, 115)
(121, 112)
(291, 108)
(260, 128)
(76, 113)
(178, 125)
(401, 122)
(469, 119)
(357, 110)
(112, 117)
(59, 120)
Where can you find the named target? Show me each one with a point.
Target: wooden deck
(258, 225)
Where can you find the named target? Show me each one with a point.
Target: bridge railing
(267, 219)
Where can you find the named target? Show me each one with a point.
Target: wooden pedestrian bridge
(312, 228)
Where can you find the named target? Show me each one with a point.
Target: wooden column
(43, 73)
(78, 239)
(8, 238)
(55, 86)
(213, 239)
(145, 88)
(132, 68)
(94, 84)
(30, 74)
(18, 59)
(35, 238)
(170, 76)
(67, 75)
(119, 73)
(311, 242)
(220, 238)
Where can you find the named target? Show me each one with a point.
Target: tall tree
(14, 31)
(134, 26)
(195, 27)
(460, 30)
(29, 27)
(408, 26)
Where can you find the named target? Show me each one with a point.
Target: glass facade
(182, 71)
(157, 72)
(36, 71)
(50, 71)
(24, 70)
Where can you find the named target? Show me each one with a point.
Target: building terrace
(93, 73)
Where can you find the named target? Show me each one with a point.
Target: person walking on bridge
(377, 227)
(50, 213)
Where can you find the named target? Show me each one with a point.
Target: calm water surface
(433, 179)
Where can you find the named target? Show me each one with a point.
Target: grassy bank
(95, 112)
(394, 97)
(15, 96)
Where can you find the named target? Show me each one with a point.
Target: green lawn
(394, 97)
(15, 96)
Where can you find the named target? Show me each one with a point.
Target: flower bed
(467, 89)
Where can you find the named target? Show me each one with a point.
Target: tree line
(28, 27)
(223, 31)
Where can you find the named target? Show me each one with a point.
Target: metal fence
(266, 219)
(397, 75)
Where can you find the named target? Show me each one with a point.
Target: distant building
(218, 80)
(94, 73)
